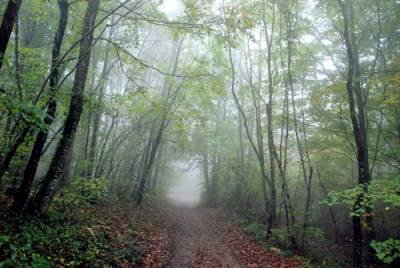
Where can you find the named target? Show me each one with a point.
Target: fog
(185, 191)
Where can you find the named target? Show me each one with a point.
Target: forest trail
(197, 243)
(204, 237)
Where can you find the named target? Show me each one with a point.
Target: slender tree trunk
(358, 118)
(154, 181)
(283, 145)
(43, 198)
(331, 213)
(270, 136)
(52, 139)
(206, 177)
(241, 174)
(241, 150)
(91, 94)
(205, 170)
(17, 61)
(148, 163)
(30, 170)
(101, 161)
(154, 142)
(98, 112)
(214, 179)
(9, 155)
(6, 27)
(303, 153)
(256, 148)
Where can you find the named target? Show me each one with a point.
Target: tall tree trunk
(154, 181)
(205, 164)
(331, 212)
(17, 61)
(206, 176)
(270, 136)
(258, 150)
(358, 119)
(101, 160)
(154, 142)
(241, 174)
(43, 198)
(30, 170)
(6, 27)
(305, 163)
(282, 158)
(148, 163)
(98, 112)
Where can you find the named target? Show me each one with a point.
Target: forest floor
(204, 237)
(158, 235)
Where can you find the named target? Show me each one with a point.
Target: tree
(157, 130)
(356, 99)
(44, 196)
(7, 24)
(31, 167)
(97, 114)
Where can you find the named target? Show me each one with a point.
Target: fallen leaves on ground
(157, 236)
(199, 237)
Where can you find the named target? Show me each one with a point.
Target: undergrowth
(83, 230)
(318, 251)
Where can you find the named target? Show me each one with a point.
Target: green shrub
(315, 234)
(62, 244)
(81, 192)
(256, 231)
(387, 251)
(280, 236)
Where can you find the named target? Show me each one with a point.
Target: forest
(200, 133)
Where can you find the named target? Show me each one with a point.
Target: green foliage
(306, 263)
(132, 251)
(385, 191)
(387, 251)
(315, 233)
(348, 197)
(280, 236)
(40, 245)
(82, 192)
(30, 114)
(256, 231)
(92, 189)
(82, 240)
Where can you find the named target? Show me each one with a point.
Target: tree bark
(331, 212)
(154, 181)
(98, 112)
(270, 136)
(358, 119)
(256, 147)
(17, 61)
(9, 155)
(282, 159)
(101, 161)
(6, 27)
(30, 170)
(148, 163)
(43, 198)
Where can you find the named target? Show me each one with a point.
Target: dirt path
(204, 238)
(197, 243)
